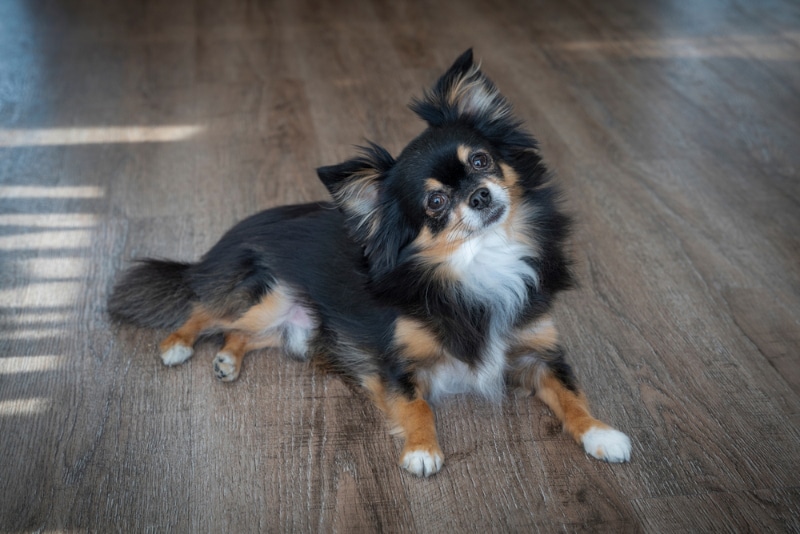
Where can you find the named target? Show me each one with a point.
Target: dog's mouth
(493, 215)
(478, 221)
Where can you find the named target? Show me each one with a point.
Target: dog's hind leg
(179, 345)
(538, 365)
(277, 320)
(228, 361)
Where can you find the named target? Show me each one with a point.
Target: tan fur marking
(411, 419)
(377, 392)
(199, 321)
(569, 407)
(436, 249)
(265, 314)
(228, 362)
(417, 342)
(463, 152)
(265, 341)
(511, 184)
(237, 344)
(541, 336)
(415, 420)
(510, 177)
(432, 184)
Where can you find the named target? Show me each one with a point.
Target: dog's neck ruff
(493, 272)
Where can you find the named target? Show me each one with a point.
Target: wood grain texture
(148, 128)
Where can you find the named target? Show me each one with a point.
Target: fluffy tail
(154, 294)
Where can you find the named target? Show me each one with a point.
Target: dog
(428, 275)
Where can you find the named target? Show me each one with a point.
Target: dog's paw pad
(422, 462)
(226, 368)
(607, 444)
(176, 354)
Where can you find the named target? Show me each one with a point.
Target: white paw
(225, 367)
(422, 463)
(607, 444)
(177, 354)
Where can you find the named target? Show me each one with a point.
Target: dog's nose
(480, 198)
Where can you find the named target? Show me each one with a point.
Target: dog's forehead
(439, 154)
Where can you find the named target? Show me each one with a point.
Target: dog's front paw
(176, 354)
(226, 367)
(422, 462)
(607, 444)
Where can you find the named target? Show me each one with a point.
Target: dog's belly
(279, 320)
(296, 331)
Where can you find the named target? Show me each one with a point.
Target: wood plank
(776, 511)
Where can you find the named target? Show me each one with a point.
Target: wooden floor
(147, 128)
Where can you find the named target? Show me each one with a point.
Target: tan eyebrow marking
(432, 184)
(463, 152)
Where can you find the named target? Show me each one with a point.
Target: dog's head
(458, 180)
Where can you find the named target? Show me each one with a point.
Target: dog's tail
(154, 294)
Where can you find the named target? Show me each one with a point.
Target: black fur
(153, 294)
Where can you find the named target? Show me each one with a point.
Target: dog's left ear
(357, 189)
(463, 92)
(355, 184)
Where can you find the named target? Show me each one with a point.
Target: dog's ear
(463, 92)
(356, 186)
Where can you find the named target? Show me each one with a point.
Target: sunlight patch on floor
(16, 318)
(55, 276)
(49, 220)
(767, 48)
(44, 240)
(42, 294)
(47, 191)
(10, 365)
(97, 135)
(64, 268)
(24, 406)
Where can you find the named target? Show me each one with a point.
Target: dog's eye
(437, 202)
(479, 160)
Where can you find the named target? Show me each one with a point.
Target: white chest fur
(494, 273)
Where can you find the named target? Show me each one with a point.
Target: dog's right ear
(462, 92)
(355, 186)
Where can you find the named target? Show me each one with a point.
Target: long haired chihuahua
(429, 274)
